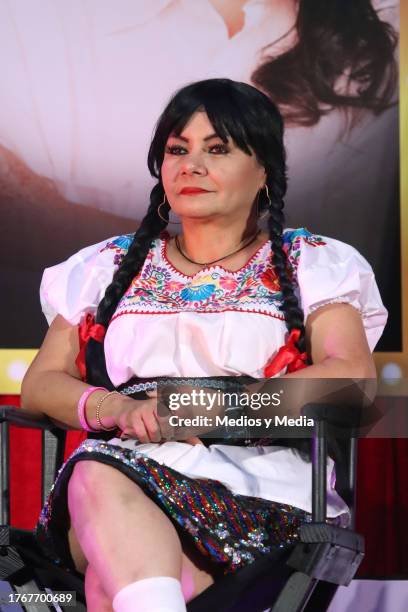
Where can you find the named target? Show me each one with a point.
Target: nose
(193, 165)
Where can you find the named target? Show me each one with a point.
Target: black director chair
(306, 579)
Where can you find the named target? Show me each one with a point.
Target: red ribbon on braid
(87, 329)
(288, 355)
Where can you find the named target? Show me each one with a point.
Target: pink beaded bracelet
(82, 406)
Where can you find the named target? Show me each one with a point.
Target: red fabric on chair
(25, 469)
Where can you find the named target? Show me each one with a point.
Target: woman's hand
(139, 419)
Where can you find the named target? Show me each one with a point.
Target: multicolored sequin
(160, 288)
(231, 530)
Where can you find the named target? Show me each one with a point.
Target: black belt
(136, 385)
(136, 388)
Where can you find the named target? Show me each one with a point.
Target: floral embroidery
(292, 242)
(197, 293)
(270, 279)
(120, 245)
(160, 288)
(159, 275)
(174, 286)
(229, 284)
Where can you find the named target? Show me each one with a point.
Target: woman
(219, 299)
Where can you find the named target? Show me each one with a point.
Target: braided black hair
(290, 305)
(253, 122)
(132, 263)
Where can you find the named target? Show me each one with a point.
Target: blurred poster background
(84, 81)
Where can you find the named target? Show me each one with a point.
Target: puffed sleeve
(78, 284)
(329, 271)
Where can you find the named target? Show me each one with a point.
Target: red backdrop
(382, 494)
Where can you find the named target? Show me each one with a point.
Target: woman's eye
(175, 150)
(179, 150)
(219, 148)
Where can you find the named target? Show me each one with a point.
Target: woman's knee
(83, 486)
(89, 473)
(93, 481)
(91, 485)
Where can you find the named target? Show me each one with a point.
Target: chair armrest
(53, 447)
(23, 418)
(345, 416)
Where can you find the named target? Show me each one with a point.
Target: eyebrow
(184, 139)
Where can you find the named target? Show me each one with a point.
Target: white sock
(157, 594)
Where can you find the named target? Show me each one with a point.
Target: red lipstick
(192, 190)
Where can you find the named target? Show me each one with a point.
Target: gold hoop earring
(161, 216)
(266, 212)
(267, 195)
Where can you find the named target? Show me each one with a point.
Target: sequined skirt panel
(230, 530)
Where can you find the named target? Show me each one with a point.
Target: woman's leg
(196, 575)
(121, 531)
(96, 598)
(123, 534)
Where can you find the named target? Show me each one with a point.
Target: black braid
(290, 306)
(132, 263)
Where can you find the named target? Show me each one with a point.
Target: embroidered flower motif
(173, 286)
(315, 241)
(140, 292)
(255, 269)
(206, 279)
(270, 279)
(292, 241)
(228, 283)
(248, 282)
(158, 273)
(121, 242)
(290, 235)
(197, 293)
(124, 241)
(120, 245)
(117, 260)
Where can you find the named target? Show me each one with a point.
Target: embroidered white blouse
(215, 323)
